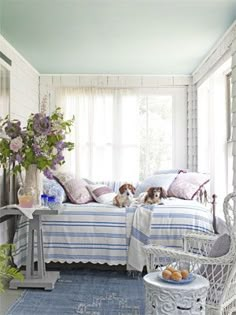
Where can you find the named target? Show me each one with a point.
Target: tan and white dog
(154, 195)
(125, 196)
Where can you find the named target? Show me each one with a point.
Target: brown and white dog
(125, 196)
(154, 195)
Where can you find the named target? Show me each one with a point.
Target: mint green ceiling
(115, 36)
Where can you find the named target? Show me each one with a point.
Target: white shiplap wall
(24, 99)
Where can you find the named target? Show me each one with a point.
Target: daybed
(101, 233)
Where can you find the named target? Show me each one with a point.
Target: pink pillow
(187, 185)
(76, 189)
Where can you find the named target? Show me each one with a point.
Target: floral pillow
(102, 193)
(76, 189)
(187, 185)
(52, 188)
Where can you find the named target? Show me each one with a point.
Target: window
(155, 115)
(214, 130)
(125, 134)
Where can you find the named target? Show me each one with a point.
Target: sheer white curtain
(105, 133)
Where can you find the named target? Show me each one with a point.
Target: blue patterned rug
(87, 292)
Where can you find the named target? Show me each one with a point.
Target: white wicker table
(164, 298)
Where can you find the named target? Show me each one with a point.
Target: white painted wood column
(192, 141)
(234, 109)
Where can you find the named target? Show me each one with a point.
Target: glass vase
(33, 180)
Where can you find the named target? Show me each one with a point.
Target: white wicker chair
(220, 271)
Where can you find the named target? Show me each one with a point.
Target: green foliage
(7, 272)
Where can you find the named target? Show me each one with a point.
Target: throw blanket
(140, 233)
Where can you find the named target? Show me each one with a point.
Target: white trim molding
(222, 47)
(49, 83)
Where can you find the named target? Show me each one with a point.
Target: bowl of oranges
(176, 276)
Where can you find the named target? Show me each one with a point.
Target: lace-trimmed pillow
(76, 189)
(187, 185)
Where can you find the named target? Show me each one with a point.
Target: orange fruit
(176, 276)
(184, 274)
(166, 274)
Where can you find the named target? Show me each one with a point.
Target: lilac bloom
(59, 158)
(37, 149)
(54, 164)
(48, 173)
(19, 158)
(60, 146)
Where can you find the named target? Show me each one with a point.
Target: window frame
(229, 106)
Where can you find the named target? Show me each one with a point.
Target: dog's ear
(150, 192)
(122, 188)
(132, 188)
(163, 193)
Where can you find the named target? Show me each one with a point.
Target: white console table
(39, 278)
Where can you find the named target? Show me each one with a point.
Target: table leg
(30, 253)
(41, 278)
(41, 263)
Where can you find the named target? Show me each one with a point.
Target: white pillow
(102, 193)
(161, 180)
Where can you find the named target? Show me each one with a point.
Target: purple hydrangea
(13, 129)
(41, 124)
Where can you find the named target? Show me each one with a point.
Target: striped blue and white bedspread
(80, 233)
(100, 233)
(174, 219)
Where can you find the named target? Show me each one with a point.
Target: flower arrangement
(41, 142)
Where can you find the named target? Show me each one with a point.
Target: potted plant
(7, 271)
